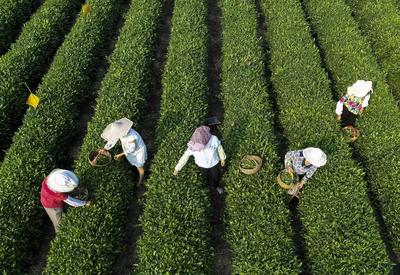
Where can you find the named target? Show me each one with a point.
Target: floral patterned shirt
(296, 160)
(354, 104)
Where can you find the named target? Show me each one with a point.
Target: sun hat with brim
(62, 181)
(360, 89)
(117, 129)
(315, 156)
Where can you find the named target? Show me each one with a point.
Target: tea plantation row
(258, 226)
(98, 240)
(348, 58)
(12, 15)
(340, 231)
(176, 230)
(28, 59)
(43, 139)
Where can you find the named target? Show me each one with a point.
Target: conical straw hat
(117, 129)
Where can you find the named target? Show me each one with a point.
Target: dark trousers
(348, 118)
(211, 175)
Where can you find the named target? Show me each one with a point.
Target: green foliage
(28, 59)
(380, 22)
(45, 133)
(98, 240)
(258, 226)
(176, 231)
(13, 13)
(349, 58)
(340, 231)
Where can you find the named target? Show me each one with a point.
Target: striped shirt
(296, 160)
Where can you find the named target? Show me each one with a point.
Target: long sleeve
(339, 106)
(110, 144)
(288, 158)
(366, 100)
(74, 202)
(309, 174)
(183, 160)
(221, 153)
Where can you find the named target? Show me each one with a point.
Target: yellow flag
(33, 100)
(86, 9)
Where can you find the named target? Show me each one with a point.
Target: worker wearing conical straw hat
(353, 103)
(304, 163)
(54, 192)
(132, 143)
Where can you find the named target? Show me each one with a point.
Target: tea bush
(349, 58)
(13, 13)
(101, 226)
(28, 59)
(45, 133)
(340, 231)
(258, 226)
(176, 230)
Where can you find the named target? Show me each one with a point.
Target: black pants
(211, 175)
(348, 118)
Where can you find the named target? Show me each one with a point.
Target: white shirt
(131, 143)
(206, 158)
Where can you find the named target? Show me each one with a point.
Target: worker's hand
(222, 162)
(289, 169)
(175, 173)
(87, 203)
(102, 150)
(118, 156)
(301, 184)
(361, 111)
(338, 117)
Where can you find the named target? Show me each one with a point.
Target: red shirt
(51, 199)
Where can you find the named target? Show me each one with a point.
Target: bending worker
(354, 101)
(132, 143)
(54, 192)
(208, 153)
(304, 163)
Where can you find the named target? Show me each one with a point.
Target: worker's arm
(339, 106)
(308, 174)
(221, 155)
(182, 161)
(288, 158)
(74, 202)
(110, 144)
(366, 101)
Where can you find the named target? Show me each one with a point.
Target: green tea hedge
(380, 22)
(258, 226)
(28, 59)
(13, 13)
(101, 226)
(46, 131)
(340, 231)
(176, 231)
(348, 57)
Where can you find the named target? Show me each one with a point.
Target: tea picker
(207, 152)
(133, 147)
(300, 164)
(55, 189)
(351, 105)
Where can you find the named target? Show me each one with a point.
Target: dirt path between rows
(128, 257)
(222, 252)
(86, 113)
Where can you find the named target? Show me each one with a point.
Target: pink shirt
(51, 199)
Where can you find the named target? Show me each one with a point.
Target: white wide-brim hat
(315, 156)
(62, 181)
(360, 89)
(117, 129)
